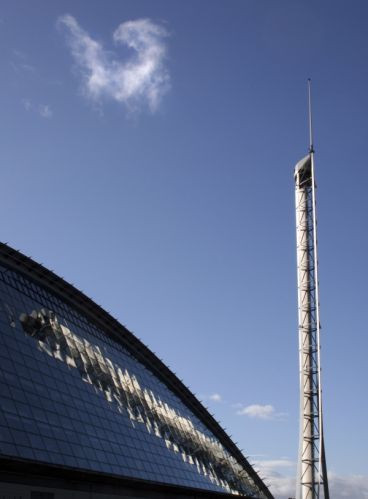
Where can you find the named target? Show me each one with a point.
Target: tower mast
(312, 476)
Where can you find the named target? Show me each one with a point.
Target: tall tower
(312, 474)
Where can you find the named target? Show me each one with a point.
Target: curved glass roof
(79, 390)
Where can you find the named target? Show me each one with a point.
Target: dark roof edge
(17, 261)
(27, 471)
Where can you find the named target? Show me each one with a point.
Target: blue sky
(151, 164)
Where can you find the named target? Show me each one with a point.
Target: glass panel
(70, 395)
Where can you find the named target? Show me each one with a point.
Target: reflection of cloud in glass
(141, 404)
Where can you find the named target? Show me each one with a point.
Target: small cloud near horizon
(258, 411)
(141, 79)
(283, 486)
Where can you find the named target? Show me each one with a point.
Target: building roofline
(15, 260)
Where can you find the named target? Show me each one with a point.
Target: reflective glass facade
(72, 396)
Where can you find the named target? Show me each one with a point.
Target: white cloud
(272, 464)
(215, 397)
(283, 487)
(43, 110)
(26, 104)
(259, 411)
(341, 487)
(351, 486)
(141, 78)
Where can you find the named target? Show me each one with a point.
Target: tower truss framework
(312, 480)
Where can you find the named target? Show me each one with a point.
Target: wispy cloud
(20, 62)
(27, 104)
(43, 110)
(215, 397)
(259, 411)
(275, 464)
(140, 79)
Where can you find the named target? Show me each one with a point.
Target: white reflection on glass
(141, 404)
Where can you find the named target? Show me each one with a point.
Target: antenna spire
(312, 481)
(311, 149)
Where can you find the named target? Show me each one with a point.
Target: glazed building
(87, 411)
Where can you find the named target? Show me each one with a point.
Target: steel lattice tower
(312, 474)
